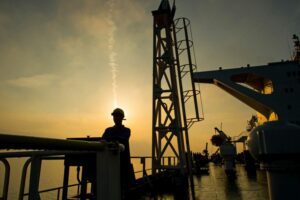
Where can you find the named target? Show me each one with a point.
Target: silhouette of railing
(38, 150)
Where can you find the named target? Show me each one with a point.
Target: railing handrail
(40, 153)
(151, 157)
(140, 171)
(53, 189)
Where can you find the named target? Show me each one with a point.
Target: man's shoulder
(109, 128)
(114, 129)
(127, 129)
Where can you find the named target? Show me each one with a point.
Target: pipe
(29, 142)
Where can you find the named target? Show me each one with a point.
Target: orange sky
(56, 60)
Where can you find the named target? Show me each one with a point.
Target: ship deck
(217, 186)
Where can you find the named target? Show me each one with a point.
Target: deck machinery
(173, 90)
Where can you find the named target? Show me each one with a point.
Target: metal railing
(56, 155)
(106, 159)
(55, 149)
(58, 189)
(170, 161)
(34, 160)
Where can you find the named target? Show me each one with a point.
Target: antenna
(296, 56)
(290, 49)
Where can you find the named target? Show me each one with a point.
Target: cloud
(4, 20)
(35, 81)
(83, 17)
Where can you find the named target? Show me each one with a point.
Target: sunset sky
(63, 64)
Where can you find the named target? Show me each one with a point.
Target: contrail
(111, 49)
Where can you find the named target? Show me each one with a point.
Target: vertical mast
(167, 137)
(173, 89)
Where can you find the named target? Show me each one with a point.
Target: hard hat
(118, 111)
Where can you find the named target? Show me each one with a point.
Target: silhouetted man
(121, 134)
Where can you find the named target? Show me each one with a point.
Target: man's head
(118, 115)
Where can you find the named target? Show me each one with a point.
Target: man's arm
(129, 132)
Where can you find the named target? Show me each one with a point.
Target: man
(121, 134)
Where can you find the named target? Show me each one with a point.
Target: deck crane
(227, 150)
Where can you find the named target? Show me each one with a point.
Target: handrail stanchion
(65, 182)
(6, 178)
(143, 162)
(83, 183)
(35, 172)
(58, 194)
(23, 178)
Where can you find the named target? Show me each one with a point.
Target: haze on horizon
(56, 60)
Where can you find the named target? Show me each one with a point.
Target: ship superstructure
(273, 90)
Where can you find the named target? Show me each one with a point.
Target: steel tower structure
(173, 89)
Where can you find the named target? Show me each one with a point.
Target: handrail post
(6, 178)
(66, 182)
(174, 159)
(23, 178)
(143, 162)
(58, 194)
(35, 178)
(83, 184)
